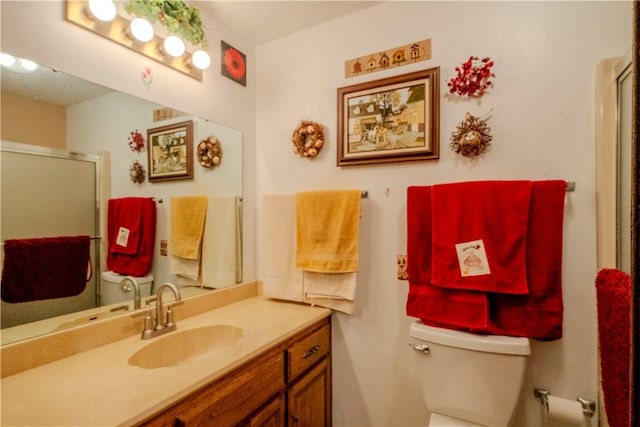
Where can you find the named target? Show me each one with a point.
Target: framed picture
(396, 119)
(234, 64)
(170, 150)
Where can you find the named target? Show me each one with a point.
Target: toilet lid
(439, 420)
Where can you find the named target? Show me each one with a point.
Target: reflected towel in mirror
(45, 268)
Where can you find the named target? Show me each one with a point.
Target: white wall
(38, 30)
(543, 127)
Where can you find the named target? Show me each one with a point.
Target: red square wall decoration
(234, 64)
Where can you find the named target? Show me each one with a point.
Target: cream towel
(281, 279)
(219, 256)
(336, 291)
(327, 231)
(187, 225)
(184, 267)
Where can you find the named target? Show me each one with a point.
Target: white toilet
(112, 293)
(469, 379)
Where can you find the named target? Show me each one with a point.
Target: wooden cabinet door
(227, 401)
(271, 415)
(309, 398)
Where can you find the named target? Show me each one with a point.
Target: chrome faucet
(163, 322)
(136, 290)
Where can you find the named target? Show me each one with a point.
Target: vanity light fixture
(174, 46)
(141, 29)
(7, 60)
(124, 31)
(18, 65)
(28, 65)
(200, 59)
(103, 10)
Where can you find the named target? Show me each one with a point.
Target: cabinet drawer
(227, 401)
(307, 351)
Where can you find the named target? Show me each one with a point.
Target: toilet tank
(111, 293)
(476, 378)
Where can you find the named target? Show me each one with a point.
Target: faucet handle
(147, 332)
(169, 321)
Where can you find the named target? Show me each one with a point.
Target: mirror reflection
(67, 157)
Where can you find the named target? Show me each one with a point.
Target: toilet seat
(439, 420)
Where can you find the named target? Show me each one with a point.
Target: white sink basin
(181, 345)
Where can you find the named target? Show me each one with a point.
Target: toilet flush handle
(421, 347)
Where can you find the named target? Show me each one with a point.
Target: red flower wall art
(234, 64)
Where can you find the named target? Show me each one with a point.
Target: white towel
(281, 278)
(184, 267)
(219, 242)
(336, 291)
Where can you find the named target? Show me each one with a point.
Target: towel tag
(123, 237)
(472, 258)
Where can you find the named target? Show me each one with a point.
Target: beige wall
(32, 122)
(543, 125)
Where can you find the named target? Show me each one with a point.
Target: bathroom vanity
(296, 371)
(253, 362)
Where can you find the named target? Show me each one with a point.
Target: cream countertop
(99, 388)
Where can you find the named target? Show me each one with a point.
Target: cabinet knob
(295, 418)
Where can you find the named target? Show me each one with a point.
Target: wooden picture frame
(170, 152)
(396, 119)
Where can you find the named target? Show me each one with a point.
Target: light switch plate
(163, 247)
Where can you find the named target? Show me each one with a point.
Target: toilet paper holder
(588, 406)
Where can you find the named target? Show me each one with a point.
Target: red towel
(613, 290)
(45, 268)
(480, 236)
(131, 231)
(434, 305)
(535, 315)
(538, 314)
(125, 222)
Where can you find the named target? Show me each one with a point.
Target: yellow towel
(327, 224)
(187, 224)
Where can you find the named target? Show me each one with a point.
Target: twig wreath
(308, 139)
(472, 136)
(473, 77)
(209, 152)
(136, 172)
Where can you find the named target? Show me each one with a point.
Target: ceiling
(256, 21)
(263, 21)
(38, 85)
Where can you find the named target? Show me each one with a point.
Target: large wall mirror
(65, 149)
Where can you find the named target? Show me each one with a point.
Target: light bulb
(104, 10)
(174, 46)
(7, 60)
(28, 65)
(200, 59)
(141, 29)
